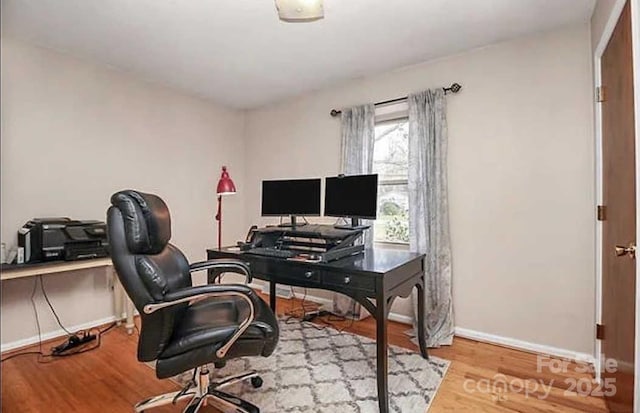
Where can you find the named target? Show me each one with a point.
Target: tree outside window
(390, 162)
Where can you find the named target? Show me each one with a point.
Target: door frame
(599, 50)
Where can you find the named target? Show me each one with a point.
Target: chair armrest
(227, 264)
(202, 292)
(209, 289)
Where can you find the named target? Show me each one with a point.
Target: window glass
(390, 162)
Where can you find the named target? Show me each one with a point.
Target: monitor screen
(291, 197)
(351, 196)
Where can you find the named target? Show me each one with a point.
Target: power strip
(311, 315)
(72, 342)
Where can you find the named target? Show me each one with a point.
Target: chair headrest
(147, 221)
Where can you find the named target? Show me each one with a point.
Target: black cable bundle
(73, 341)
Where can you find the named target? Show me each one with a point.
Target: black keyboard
(271, 252)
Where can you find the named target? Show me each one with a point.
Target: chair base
(200, 392)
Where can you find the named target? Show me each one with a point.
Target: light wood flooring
(110, 379)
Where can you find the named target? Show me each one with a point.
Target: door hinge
(601, 94)
(599, 332)
(601, 213)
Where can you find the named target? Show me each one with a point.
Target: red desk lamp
(225, 187)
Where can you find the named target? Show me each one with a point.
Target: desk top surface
(374, 260)
(10, 271)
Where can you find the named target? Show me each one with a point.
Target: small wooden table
(120, 300)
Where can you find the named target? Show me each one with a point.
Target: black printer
(50, 239)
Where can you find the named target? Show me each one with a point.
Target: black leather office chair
(185, 327)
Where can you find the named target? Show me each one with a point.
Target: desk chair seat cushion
(205, 327)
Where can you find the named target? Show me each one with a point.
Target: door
(619, 226)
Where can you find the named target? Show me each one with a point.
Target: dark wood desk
(378, 274)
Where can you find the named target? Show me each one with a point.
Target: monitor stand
(293, 224)
(355, 225)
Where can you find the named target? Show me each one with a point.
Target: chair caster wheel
(256, 382)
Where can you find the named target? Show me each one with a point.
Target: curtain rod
(454, 88)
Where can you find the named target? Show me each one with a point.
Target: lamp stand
(219, 219)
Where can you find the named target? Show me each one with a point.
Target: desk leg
(421, 335)
(129, 325)
(118, 294)
(272, 296)
(382, 361)
(121, 302)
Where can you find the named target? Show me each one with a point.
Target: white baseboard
(282, 291)
(524, 345)
(491, 338)
(400, 318)
(12, 345)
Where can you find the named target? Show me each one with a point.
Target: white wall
(521, 177)
(520, 167)
(72, 134)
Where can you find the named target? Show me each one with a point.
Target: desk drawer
(300, 274)
(358, 282)
(306, 277)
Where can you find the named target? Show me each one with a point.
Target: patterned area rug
(324, 370)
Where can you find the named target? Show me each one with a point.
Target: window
(391, 163)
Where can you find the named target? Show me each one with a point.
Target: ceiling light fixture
(300, 10)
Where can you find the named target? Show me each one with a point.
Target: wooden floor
(110, 379)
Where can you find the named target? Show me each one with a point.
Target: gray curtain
(429, 210)
(358, 137)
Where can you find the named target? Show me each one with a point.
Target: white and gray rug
(324, 370)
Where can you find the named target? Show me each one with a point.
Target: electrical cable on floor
(103, 332)
(25, 353)
(300, 315)
(83, 333)
(81, 349)
(338, 318)
(294, 313)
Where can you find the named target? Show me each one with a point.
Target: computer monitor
(294, 197)
(354, 196)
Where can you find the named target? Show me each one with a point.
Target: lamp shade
(225, 184)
